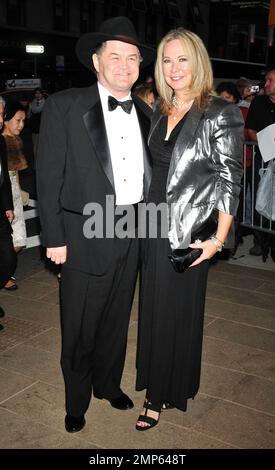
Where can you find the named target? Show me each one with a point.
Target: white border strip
(31, 214)
(32, 203)
(33, 241)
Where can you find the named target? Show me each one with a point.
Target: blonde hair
(201, 87)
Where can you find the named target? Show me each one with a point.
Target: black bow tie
(126, 105)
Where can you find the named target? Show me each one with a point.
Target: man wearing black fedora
(92, 149)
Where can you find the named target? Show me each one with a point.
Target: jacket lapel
(95, 125)
(154, 122)
(186, 135)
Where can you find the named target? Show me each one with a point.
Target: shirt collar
(104, 93)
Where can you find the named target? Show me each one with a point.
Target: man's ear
(95, 62)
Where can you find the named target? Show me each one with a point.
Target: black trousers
(95, 313)
(8, 257)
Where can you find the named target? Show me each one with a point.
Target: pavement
(234, 409)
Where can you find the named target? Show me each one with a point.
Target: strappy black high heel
(151, 422)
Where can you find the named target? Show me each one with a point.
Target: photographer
(247, 91)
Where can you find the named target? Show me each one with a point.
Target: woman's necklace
(180, 107)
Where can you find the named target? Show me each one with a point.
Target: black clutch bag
(182, 258)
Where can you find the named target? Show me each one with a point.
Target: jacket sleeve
(50, 173)
(6, 202)
(227, 150)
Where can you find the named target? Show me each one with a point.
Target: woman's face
(15, 125)
(246, 91)
(176, 66)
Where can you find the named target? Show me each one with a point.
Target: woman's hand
(10, 215)
(209, 250)
(210, 247)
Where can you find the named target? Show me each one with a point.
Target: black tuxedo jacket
(6, 202)
(74, 168)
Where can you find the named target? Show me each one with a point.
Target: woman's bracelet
(222, 243)
(218, 243)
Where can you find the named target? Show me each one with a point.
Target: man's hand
(58, 255)
(10, 215)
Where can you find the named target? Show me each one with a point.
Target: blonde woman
(196, 145)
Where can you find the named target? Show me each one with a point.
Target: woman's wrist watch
(218, 243)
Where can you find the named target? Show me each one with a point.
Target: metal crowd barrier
(250, 217)
(32, 213)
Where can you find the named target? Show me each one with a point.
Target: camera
(254, 89)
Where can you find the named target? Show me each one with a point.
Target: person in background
(146, 93)
(34, 115)
(260, 115)
(14, 119)
(93, 149)
(246, 93)
(196, 145)
(245, 87)
(8, 258)
(228, 91)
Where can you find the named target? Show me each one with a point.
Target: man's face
(270, 84)
(117, 67)
(1, 115)
(38, 95)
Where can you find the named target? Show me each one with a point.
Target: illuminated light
(34, 49)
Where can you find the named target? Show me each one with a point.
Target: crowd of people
(172, 143)
(256, 100)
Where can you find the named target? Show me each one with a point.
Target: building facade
(226, 27)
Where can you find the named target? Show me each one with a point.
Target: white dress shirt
(125, 144)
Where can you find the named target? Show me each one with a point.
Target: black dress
(171, 304)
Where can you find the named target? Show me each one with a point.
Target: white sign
(34, 48)
(23, 83)
(266, 142)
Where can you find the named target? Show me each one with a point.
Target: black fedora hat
(119, 28)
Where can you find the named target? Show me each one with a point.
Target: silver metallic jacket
(205, 169)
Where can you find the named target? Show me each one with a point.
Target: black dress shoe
(123, 402)
(1, 327)
(74, 423)
(2, 312)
